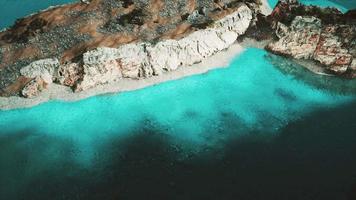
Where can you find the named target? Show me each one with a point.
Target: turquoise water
(342, 5)
(14, 9)
(255, 92)
(192, 116)
(263, 128)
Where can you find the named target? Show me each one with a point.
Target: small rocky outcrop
(45, 69)
(299, 40)
(99, 67)
(332, 52)
(33, 88)
(69, 74)
(42, 73)
(133, 60)
(325, 36)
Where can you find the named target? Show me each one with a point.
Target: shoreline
(222, 59)
(57, 92)
(307, 64)
(266, 9)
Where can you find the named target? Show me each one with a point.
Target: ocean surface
(342, 5)
(10, 10)
(262, 128)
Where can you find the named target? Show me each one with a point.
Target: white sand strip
(58, 92)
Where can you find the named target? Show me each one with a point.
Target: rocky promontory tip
(323, 35)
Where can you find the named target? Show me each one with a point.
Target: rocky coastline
(57, 92)
(322, 35)
(133, 61)
(121, 46)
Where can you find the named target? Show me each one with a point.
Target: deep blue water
(342, 5)
(263, 128)
(10, 10)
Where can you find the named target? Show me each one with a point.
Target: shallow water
(238, 118)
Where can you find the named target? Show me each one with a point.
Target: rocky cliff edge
(84, 45)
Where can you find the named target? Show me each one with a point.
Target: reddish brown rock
(33, 88)
(322, 35)
(330, 51)
(70, 74)
(300, 39)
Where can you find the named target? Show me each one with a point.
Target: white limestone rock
(143, 60)
(238, 21)
(229, 37)
(45, 69)
(201, 44)
(100, 55)
(33, 88)
(100, 66)
(165, 56)
(353, 65)
(133, 60)
(168, 55)
(137, 60)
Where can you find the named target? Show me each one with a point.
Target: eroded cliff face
(87, 44)
(325, 36)
(143, 60)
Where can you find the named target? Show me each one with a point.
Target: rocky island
(94, 47)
